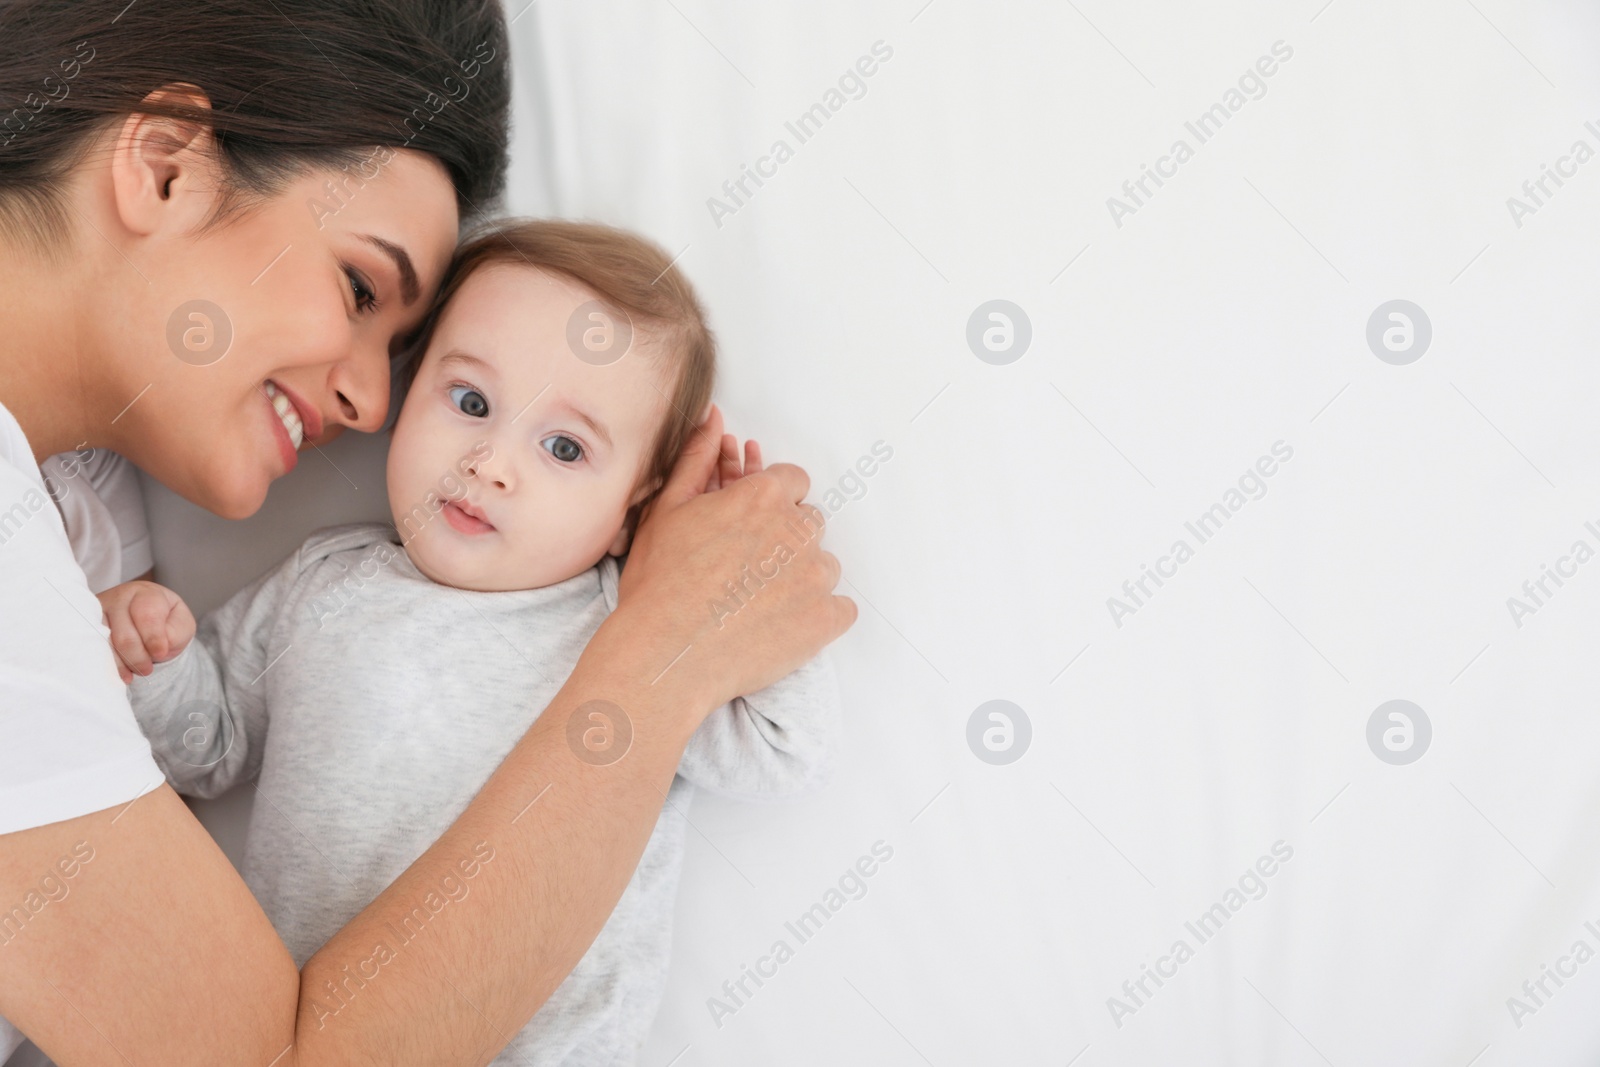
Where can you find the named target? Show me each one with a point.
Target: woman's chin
(241, 511)
(234, 499)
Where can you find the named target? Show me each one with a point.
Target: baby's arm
(778, 740)
(205, 723)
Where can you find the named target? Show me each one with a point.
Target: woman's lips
(310, 417)
(464, 518)
(280, 434)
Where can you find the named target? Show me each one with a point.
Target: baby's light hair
(629, 273)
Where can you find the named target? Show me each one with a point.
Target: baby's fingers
(752, 456)
(160, 620)
(180, 628)
(122, 668)
(128, 644)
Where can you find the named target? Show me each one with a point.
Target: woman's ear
(164, 173)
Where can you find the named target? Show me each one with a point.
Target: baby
(372, 682)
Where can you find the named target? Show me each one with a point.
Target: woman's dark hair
(293, 84)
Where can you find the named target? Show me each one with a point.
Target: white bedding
(1228, 713)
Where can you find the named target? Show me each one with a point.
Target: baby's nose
(485, 469)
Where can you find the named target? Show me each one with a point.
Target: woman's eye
(563, 448)
(366, 299)
(469, 400)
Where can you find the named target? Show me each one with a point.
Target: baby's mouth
(465, 518)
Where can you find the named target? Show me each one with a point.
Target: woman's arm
(157, 953)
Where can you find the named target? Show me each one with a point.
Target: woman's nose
(360, 386)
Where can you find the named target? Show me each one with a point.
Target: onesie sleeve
(98, 495)
(116, 483)
(778, 741)
(205, 711)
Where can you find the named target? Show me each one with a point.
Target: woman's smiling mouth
(284, 407)
(297, 420)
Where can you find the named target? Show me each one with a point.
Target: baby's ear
(624, 538)
(619, 546)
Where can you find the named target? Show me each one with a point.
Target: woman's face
(238, 347)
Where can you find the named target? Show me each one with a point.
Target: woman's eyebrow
(409, 289)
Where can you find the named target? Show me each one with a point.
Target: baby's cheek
(402, 477)
(577, 534)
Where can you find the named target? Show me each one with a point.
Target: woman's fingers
(728, 469)
(791, 480)
(696, 465)
(693, 547)
(845, 613)
(831, 562)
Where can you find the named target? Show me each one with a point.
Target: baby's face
(533, 453)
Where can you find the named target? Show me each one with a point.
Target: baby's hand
(727, 471)
(149, 624)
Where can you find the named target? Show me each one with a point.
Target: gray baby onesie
(371, 704)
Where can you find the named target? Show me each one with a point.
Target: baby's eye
(469, 400)
(563, 448)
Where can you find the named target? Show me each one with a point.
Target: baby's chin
(448, 568)
(479, 567)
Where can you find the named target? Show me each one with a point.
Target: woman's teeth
(287, 415)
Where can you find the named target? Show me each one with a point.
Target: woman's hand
(727, 469)
(735, 579)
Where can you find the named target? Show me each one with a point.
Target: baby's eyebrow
(582, 416)
(585, 418)
(455, 356)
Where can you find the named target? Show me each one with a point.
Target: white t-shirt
(69, 744)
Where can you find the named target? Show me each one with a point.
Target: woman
(198, 199)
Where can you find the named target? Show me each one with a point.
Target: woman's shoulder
(78, 749)
(14, 448)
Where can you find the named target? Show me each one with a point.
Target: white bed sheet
(1230, 711)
